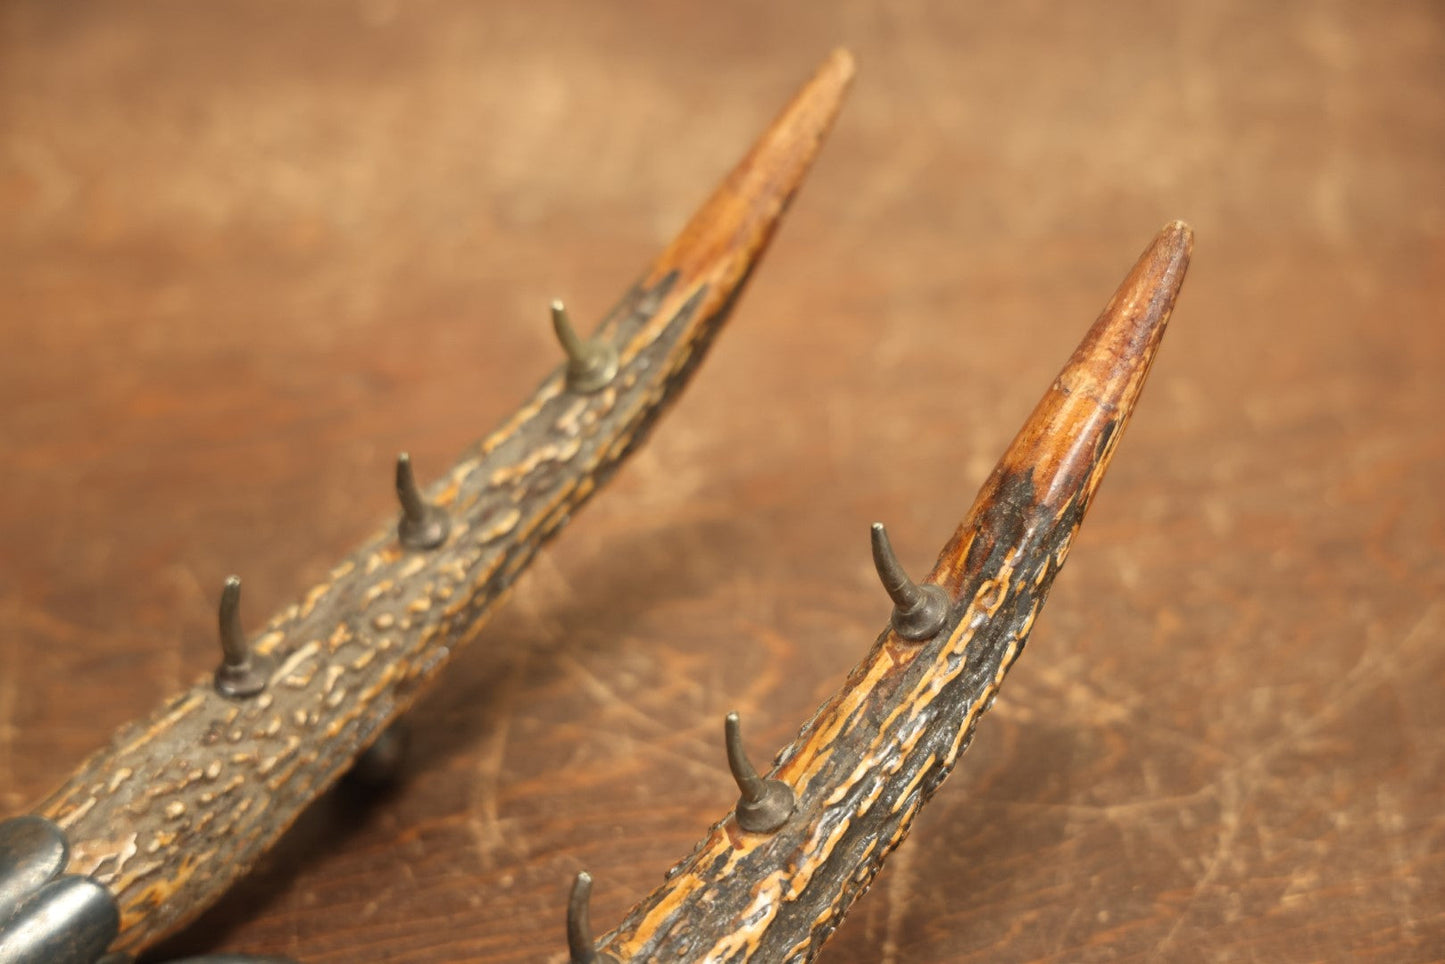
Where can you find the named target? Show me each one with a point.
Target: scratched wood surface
(248, 253)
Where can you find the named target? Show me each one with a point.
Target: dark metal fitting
(591, 364)
(765, 805)
(919, 612)
(70, 920)
(580, 947)
(33, 852)
(422, 525)
(242, 673)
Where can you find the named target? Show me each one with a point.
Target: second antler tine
(764, 805)
(242, 673)
(591, 363)
(919, 611)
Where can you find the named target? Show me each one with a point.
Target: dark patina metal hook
(764, 805)
(580, 946)
(591, 363)
(242, 673)
(422, 525)
(919, 612)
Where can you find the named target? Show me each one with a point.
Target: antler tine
(359, 647)
(873, 754)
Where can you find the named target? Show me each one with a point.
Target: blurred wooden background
(249, 251)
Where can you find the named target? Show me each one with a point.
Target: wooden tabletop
(248, 253)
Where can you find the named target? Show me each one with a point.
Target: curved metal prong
(919, 612)
(422, 525)
(242, 673)
(580, 947)
(591, 364)
(764, 805)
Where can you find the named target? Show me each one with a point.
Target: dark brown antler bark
(180, 805)
(874, 753)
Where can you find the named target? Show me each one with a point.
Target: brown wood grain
(249, 254)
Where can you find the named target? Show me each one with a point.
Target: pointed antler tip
(1167, 255)
(843, 60)
(1178, 234)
